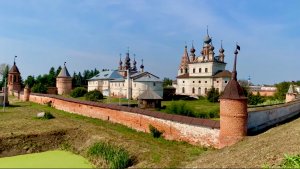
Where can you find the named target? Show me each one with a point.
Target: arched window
(183, 90)
(194, 70)
(186, 70)
(199, 91)
(206, 70)
(193, 90)
(199, 70)
(181, 70)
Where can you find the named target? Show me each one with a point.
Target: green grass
(147, 151)
(291, 161)
(115, 156)
(49, 159)
(199, 107)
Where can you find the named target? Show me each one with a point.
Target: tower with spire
(14, 78)
(64, 81)
(198, 74)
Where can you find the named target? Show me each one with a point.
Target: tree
(30, 81)
(213, 95)
(4, 69)
(58, 71)
(282, 89)
(167, 82)
(51, 78)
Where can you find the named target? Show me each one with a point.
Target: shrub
(213, 95)
(94, 95)
(291, 161)
(180, 108)
(255, 99)
(154, 131)
(78, 92)
(39, 88)
(116, 157)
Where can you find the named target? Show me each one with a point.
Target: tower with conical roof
(64, 81)
(291, 94)
(233, 111)
(14, 78)
(183, 67)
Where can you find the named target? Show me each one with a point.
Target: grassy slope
(149, 152)
(49, 159)
(266, 149)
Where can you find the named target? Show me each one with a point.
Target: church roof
(149, 95)
(64, 72)
(224, 73)
(107, 74)
(147, 77)
(14, 69)
(185, 59)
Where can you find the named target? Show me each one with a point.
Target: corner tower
(64, 81)
(233, 111)
(14, 78)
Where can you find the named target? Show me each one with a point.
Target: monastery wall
(192, 130)
(263, 117)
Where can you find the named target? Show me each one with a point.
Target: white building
(197, 75)
(126, 82)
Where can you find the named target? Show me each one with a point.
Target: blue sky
(92, 33)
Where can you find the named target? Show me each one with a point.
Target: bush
(213, 95)
(94, 95)
(78, 92)
(114, 156)
(255, 99)
(180, 108)
(39, 88)
(154, 131)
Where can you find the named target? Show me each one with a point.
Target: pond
(49, 159)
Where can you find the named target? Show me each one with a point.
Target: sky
(90, 34)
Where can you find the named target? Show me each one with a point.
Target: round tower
(26, 93)
(291, 94)
(64, 81)
(233, 111)
(14, 78)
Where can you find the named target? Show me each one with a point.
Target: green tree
(30, 81)
(39, 88)
(167, 82)
(282, 89)
(51, 78)
(213, 95)
(58, 71)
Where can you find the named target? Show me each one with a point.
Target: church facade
(127, 81)
(198, 74)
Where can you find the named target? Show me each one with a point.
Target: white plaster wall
(261, 119)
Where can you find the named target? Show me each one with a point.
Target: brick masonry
(192, 130)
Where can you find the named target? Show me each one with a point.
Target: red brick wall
(173, 130)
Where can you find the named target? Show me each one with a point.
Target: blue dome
(207, 39)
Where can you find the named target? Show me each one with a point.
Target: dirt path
(264, 149)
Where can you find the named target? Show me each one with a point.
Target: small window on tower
(225, 81)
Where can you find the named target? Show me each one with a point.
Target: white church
(198, 74)
(127, 81)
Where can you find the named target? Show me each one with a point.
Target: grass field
(146, 150)
(49, 159)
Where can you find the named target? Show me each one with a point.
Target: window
(183, 90)
(199, 81)
(206, 70)
(193, 81)
(225, 81)
(182, 81)
(153, 83)
(205, 81)
(193, 90)
(181, 70)
(194, 70)
(217, 81)
(199, 91)
(186, 70)
(199, 70)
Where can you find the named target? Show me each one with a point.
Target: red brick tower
(64, 81)
(14, 78)
(233, 111)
